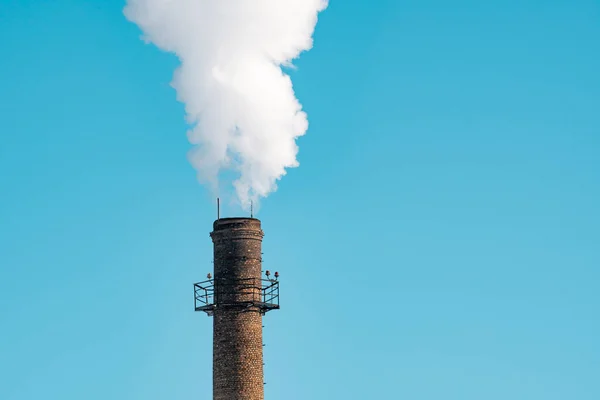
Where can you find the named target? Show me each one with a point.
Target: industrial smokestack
(241, 106)
(237, 298)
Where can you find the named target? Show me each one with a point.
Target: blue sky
(440, 239)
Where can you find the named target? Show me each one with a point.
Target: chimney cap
(236, 223)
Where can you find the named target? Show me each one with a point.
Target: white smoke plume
(241, 106)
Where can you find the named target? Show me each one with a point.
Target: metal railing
(250, 292)
(204, 294)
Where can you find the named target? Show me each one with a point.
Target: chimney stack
(237, 297)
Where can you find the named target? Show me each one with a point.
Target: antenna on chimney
(218, 208)
(251, 209)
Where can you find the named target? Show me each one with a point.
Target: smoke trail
(241, 106)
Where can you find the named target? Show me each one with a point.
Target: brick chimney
(237, 298)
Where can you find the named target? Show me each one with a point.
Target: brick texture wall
(237, 329)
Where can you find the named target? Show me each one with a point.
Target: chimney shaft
(237, 329)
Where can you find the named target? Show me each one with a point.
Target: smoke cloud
(240, 105)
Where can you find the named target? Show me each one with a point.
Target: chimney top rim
(235, 223)
(234, 219)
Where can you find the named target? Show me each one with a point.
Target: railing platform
(209, 296)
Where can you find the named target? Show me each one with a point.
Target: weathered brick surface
(237, 330)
